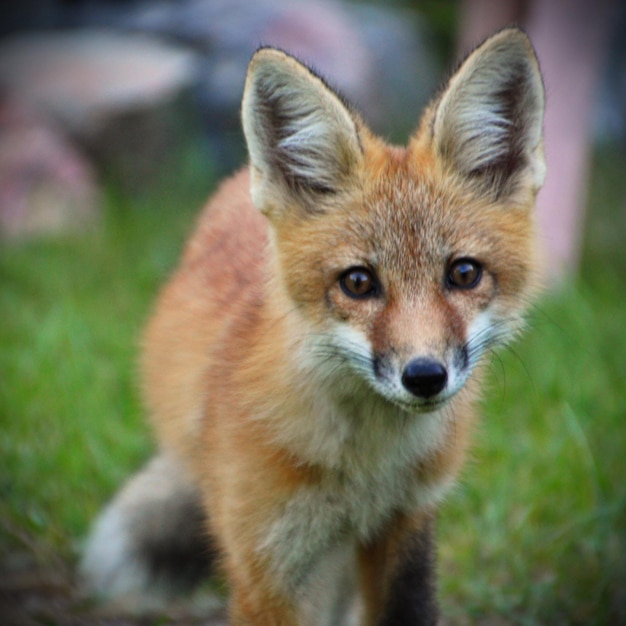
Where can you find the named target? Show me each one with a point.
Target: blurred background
(117, 118)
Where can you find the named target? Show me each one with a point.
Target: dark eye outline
(452, 284)
(372, 292)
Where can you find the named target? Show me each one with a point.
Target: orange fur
(295, 451)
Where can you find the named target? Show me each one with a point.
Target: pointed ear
(302, 140)
(488, 122)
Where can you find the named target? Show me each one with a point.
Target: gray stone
(380, 58)
(122, 96)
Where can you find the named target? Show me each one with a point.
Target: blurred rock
(129, 78)
(124, 97)
(46, 185)
(408, 69)
(380, 58)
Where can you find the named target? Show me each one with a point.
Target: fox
(313, 366)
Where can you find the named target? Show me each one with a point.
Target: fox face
(407, 264)
(415, 283)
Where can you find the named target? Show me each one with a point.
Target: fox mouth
(433, 405)
(416, 405)
(424, 385)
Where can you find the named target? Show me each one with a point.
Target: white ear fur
(488, 122)
(301, 138)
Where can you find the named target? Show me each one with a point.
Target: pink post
(570, 37)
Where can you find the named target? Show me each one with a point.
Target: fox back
(314, 362)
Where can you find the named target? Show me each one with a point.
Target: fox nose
(424, 378)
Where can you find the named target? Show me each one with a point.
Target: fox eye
(464, 274)
(359, 282)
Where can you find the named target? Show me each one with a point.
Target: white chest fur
(369, 475)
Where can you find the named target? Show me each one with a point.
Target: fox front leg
(248, 607)
(398, 574)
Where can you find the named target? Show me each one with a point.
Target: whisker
(519, 359)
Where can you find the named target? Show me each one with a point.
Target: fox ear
(488, 122)
(302, 140)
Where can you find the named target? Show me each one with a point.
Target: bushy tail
(151, 540)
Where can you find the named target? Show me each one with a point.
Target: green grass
(72, 309)
(536, 531)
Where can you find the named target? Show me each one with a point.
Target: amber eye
(464, 274)
(359, 282)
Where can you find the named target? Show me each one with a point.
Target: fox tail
(150, 541)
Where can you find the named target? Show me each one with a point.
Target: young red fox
(312, 366)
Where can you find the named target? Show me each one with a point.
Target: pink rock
(117, 94)
(46, 185)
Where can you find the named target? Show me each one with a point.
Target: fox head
(407, 264)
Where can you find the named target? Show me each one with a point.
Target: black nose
(424, 378)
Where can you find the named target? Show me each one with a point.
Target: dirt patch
(32, 595)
